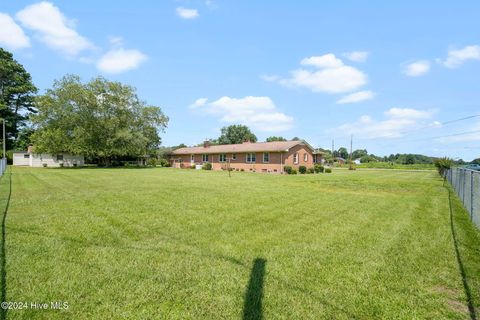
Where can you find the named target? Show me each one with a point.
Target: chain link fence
(466, 184)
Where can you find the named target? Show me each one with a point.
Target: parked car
(473, 166)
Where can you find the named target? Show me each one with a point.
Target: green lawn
(185, 244)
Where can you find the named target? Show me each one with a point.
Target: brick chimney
(206, 144)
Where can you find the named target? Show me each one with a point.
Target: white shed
(23, 158)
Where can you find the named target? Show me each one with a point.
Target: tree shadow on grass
(3, 257)
(252, 307)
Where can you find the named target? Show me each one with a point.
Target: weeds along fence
(466, 184)
(3, 166)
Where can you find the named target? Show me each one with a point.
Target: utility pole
(351, 144)
(4, 146)
(333, 154)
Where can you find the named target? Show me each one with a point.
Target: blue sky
(392, 74)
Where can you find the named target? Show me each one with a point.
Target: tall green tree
(275, 138)
(342, 153)
(17, 94)
(99, 119)
(236, 133)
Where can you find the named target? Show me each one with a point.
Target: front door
(192, 159)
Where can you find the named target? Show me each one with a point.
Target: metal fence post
(471, 195)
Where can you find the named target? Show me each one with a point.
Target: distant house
(340, 160)
(30, 159)
(357, 161)
(248, 156)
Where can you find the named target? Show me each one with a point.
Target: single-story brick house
(258, 157)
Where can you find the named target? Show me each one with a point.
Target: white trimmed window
(250, 157)
(305, 157)
(266, 157)
(205, 157)
(295, 158)
(222, 157)
(234, 156)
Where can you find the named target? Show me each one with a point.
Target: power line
(446, 136)
(442, 123)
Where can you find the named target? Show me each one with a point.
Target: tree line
(100, 119)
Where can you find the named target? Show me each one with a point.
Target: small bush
(61, 164)
(192, 166)
(443, 164)
(319, 168)
(207, 166)
(302, 169)
(310, 170)
(287, 169)
(293, 171)
(328, 170)
(242, 170)
(152, 162)
(163, 163)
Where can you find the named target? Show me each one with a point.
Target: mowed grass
(186, 244)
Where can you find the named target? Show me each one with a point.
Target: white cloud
(186, 13)
(397, 121)
(331, 75)
(198, 103)
(356, 56)
(11, 35)
(119, 60)
(417, 68)
(258, 112)
(407, 113)
(53, 28)
(356, 97)
(326, 61)
(456, 58)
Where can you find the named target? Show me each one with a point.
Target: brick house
(255, 157)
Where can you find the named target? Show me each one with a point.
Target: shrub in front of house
(192, 166)
(163, 162)
(287, 169)
(207, 166)
(319, 168)
(293, 171)
(242, 170)
(302, 169)
(310, 170)
(152, 162)
(328, 170)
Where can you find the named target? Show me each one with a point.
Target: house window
(59, 157)
(305, 157)
(266, 157)
(234, 156)
(26, 156)
(222, 157)
(251, 157)
(295, 158)
(205, 157)
(192, 158)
